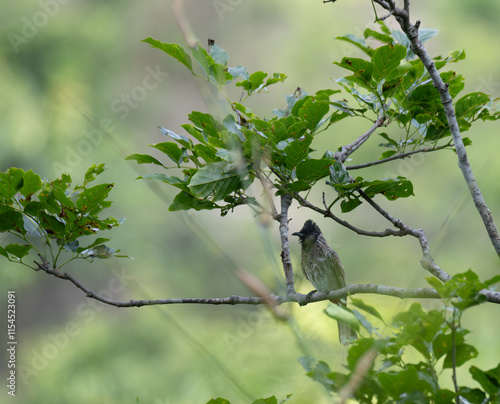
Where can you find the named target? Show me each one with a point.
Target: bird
(322, 267)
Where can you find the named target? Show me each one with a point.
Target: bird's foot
(308, 297)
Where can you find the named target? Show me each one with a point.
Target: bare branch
(286, 201)
(347, 150)
(328, 213)
(396, 157)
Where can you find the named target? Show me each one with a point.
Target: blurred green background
(68, 67)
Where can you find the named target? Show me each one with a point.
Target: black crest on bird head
(310, 231)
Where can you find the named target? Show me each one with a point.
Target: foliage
(223, 157)
(405, 366)
(34, 209)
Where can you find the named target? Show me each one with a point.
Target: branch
(347, 150)
(327, 213)
(286, 201)
(411, 31)
(349, 290)
(396, 157)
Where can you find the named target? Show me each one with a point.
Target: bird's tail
(346, 334)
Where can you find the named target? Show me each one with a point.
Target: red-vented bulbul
(323, 268)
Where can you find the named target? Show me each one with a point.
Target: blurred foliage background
(73, 95)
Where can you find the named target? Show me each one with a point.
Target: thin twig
(396, 157)
(347, 150)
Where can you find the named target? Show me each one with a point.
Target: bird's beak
(298, 234)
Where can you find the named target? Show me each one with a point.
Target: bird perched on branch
(322, 267)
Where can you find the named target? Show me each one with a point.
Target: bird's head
(309, 232)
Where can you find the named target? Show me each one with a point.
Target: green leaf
(206, 123)
(360, 43)
(10, 183)
(492, 281)
(386, 59)
(297, 151)
(218, 401)
(203, 58)
(218, 54)
(366, 307)
(174, 50)
(17, 250)
(489, 380)
(183, 140)
(10, 219)
(463, 353)
(31, 183)
(276, 78)
(144, 159)
(214, 180)
(92, 200)
(317, 371)
(3, 252)
(343, 315)
(338, 174)
(299, 186)
(313, 112)
(392, 189)
(349, 204)
(313, 170)
(378, 36)
(171, 150)
(254, 83)
(185, 201)
(169, 179)
(269, 400)
(362, 68)
(93, 172)
(470, 104)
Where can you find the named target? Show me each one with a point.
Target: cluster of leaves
(32, 208)
(222, 157)
(390, 82)
(435, 337)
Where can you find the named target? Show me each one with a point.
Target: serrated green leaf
(378, 36)
(171, 149)
(10, 219)
(213, 180)
(10, 183)
(297, 151)
(185, 201)
(276, 78)
(218, 54)
(254, 83)
(361, 67)
(358, 42)
(31, 183)
(17, 250)
(169, 179)
(144, 159)
(203, 58)
(349, 204)
(218, 401)
(313, 170)
(470, 104)
(92, 200)
(172, 49)
(489, 380)
(463, 353)
(386, 59)
(313, 112)
(182, 140)
(391, 188)
(338, 174)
